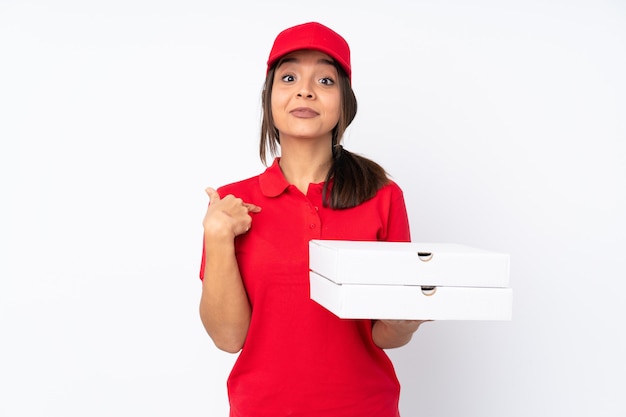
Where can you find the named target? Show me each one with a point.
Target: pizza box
(409, 280)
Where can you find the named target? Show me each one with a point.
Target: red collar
(272, 181)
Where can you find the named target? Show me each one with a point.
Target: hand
(228, 216)
(389, 334)
(404, 326)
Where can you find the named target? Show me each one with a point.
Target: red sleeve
(398, 229)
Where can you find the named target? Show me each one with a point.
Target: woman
(298, 359)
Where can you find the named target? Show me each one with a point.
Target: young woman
(298, 359)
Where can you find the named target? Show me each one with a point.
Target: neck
(303, 165)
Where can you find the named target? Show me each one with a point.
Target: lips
(304, 112)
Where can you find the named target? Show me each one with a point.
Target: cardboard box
(401, 280)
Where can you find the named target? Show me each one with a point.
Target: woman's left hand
(404, 326)
(389, 334)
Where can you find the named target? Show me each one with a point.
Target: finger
(213, 195)
(252, 207)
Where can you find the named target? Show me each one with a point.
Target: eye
(287, 78)
(327, 81)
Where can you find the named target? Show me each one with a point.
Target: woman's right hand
(228, 216)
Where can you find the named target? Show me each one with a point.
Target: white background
(503, 121)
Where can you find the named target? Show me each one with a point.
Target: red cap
(314, 36)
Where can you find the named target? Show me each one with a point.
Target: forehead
(307, 56)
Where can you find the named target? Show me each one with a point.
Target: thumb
(213, 195)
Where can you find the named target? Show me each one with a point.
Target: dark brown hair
(355, 178)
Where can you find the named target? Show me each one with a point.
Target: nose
(306, 91)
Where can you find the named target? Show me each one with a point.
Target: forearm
(224, 305)
(389, 334)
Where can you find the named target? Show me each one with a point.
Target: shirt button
(312, 226)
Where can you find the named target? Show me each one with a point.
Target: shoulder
(240, 186)
(391, 190)
(269, 183)
(387, 197)
(393, 187)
